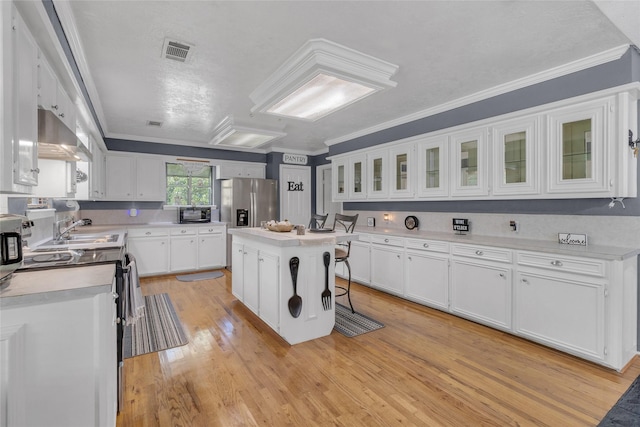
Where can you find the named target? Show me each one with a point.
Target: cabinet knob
(479, 253)
(426, 245)
(556, 263)
(398, 256)
(36, 170)
(386, 240)
(61, 115)
(502, 275)
(183, 231)
(260, 259)
(525, 281)
(54, 107)
(148, 233)
(162, 243)
(409, 258)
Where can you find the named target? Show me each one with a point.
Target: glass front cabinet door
(402, 166)
(578, 140)
(515, 157)
(433, 162)
(469, 161)
(378, 178)
(357, 173)
(339, 172)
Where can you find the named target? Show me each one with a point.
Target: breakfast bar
(267, 264)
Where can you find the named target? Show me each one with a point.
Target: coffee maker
(13, 228)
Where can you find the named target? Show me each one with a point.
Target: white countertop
(291, 238)
(589, 251)
(57, 284)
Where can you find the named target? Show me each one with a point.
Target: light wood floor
(425, 368)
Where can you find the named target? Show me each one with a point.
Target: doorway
(324, 199)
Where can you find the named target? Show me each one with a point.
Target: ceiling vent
(178, 51)
(154, 123)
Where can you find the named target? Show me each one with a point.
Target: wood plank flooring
(424, 368)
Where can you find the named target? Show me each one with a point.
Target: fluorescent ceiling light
(232, 134)
(320, 78)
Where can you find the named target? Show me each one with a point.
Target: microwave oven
(194, 214)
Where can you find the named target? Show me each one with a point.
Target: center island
(262, 279)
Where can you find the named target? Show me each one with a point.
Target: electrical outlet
(515, 226)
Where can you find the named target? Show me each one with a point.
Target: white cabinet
(18, 112)
(359, 260)
(339, 170)
(240, 170)
(211, 247)
(427, 272)
(358, 175)
(387, 264)
(150, 247)
(57, 179)
(378, 174)
(269, 298)
(516, 157)
(481, 284)
(251, 277)
(433, 167)
(469, 160)
(560, 301)
(184, 249)
(402, 161)
(130, 177)
(97, 184)
(52, 96)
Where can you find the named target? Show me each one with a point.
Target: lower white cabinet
(359, 260)
(387, 262)
(256, 282)
(426, 276)
(184, 249)
(268, 274)
(251, 278)
(211, 240)
(150, 247)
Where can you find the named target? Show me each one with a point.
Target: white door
(295, 194)
(324, 200)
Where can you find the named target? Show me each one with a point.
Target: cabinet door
(96, 174)
(516, 158)
(237, 280)
(184, 253)
(358, 174)
(378, 174)
(469, 163)
(359, 260)
(387, 269)
(433, 162)
(152, 254)
(253, 171)
(47, 85)
(340, 181)
(66, 108)
(151, 180)
(481, 292)
(427, 278)
(269, 274)
(402, 171)
(25, 150)
(566, 313)
(578, 142)
(251, 276)
(120, 178)
(210, 250)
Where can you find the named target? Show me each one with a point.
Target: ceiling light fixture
(232, 134)
(320, 78)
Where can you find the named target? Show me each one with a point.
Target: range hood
(56, 141)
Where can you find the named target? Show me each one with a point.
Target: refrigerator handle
(252, 210)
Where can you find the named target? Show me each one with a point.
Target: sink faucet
(60, 234)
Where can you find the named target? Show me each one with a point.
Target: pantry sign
(294, 159)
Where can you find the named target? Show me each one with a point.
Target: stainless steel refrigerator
(245, 202)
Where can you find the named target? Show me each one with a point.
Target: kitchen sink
(83, 239)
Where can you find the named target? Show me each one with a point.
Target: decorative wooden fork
(326, 294)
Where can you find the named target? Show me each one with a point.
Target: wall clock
(411, 222)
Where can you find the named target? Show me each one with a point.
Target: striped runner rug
(159, 328)
(353, 324)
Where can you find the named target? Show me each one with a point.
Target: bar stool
(343, 249)
(317, 221)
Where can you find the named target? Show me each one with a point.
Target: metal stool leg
(346, 261)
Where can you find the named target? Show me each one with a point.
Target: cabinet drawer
(586, 266)
(387, 240)
(363, 238)
(184, 231)
(210, 230)
(147, 232)
(482, 252)
(427, 245)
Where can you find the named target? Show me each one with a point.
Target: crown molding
(563, 70)
(194, 144)
(297, 151)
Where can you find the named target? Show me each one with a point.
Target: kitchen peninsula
(262, 279)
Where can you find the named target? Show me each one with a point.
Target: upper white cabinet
(469, 155)
(516, 157)
(574, 148)
(18, 113)
(433, 167)
(130, 177)
(240, 170)
(358, 174)
(52, 96)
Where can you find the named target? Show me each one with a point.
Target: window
(189, 184)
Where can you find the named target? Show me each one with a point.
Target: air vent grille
(154, 123)
(178, 51)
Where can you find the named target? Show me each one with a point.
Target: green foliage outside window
(187, 187)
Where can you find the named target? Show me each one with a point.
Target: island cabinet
(263, 279)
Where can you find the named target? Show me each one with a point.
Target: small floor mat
(626, 411)
(159, 328)
(353, 324)
(200, 276)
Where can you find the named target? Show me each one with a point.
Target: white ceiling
(445, 50)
